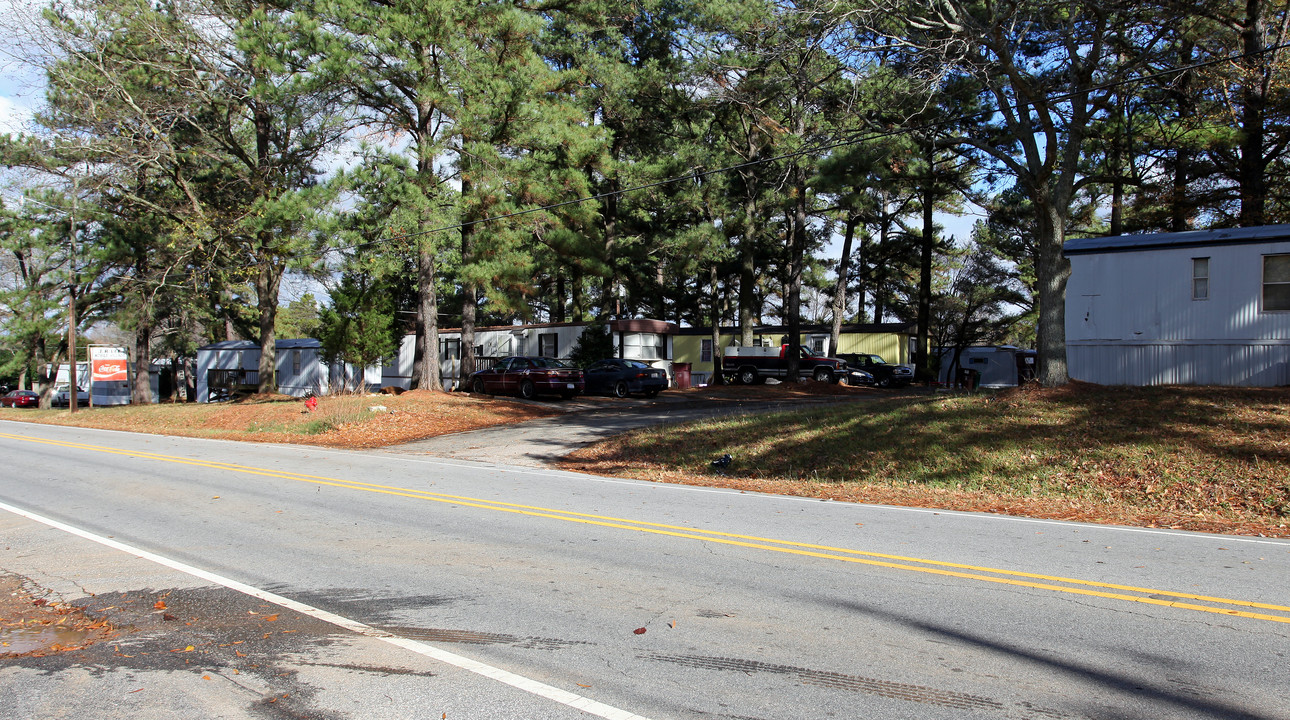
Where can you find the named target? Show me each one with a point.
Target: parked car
(620, 378)
(883, 374)
(528, 377)
(20, 399)
(63, 396)
(856, 376)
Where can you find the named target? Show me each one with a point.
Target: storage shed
(1209, 307)
(232, 366)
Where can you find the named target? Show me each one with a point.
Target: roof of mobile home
(1191, 238)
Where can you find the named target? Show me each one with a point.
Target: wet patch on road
(372, 608)
(214, 633)
(31, 625)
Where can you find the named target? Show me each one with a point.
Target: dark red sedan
(20, 399)
(528, 377)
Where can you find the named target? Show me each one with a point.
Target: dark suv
(884, 374)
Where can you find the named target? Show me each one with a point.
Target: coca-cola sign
(109, 364)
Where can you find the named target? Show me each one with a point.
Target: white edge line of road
(564, 697)
(544, 472)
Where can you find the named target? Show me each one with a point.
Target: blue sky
(20, 84)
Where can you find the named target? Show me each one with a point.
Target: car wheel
(823, 375)
(748, 376)
(620, 389)
(477, 386)
(528, 390)
(884, 382)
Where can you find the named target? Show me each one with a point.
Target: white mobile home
(638, 339)
(1205, 307)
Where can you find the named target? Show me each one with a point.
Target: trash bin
(682, 373)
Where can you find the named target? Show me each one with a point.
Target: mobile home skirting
(1248, 363)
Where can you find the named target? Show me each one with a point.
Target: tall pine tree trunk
(922, 365)
(1253, 115)
(715, 323)
(840, 289)
(141, 383)
(1053, 272)
(469, 290)
(267, 284)
(797, 242)
(428, 313)
(748, 272)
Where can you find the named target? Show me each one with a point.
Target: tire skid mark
(853, 683)
(471, 637)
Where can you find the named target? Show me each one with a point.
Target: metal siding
(1265, 364)
(1130, 319)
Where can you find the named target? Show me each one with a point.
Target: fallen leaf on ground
(639, 631)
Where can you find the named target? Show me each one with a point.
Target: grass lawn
(1212, 459)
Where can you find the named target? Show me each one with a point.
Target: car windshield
(551, 363)
(876, 359)
(635, 364)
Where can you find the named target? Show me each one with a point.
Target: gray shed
(233, 365)
(1207, 307)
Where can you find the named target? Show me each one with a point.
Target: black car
(882, 373)
(620, 378)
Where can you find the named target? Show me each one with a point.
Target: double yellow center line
(1127, 593)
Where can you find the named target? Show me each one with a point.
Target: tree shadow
(1139, 686)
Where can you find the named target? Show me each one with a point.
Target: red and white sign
(109, 364)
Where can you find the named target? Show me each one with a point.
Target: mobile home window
(1200, 278)
(450, 349)
(295, 362)
(547, 345)
(1276, 282)
(705, 351)
(643, 346)
(817, 344)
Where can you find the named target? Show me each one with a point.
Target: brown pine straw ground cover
(349, 421)
(1204, 459)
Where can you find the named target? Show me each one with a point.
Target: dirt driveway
(536, 443)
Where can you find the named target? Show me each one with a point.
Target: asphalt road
(420, 587)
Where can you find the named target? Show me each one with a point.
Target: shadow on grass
(1185, 449)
